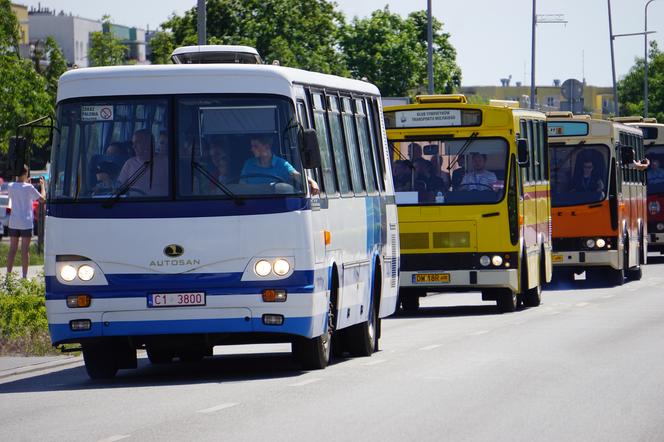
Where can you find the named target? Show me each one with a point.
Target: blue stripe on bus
(176, 209)
(301, 326)
(137, 285)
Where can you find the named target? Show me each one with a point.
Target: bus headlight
(600, 243)
(86, 273)
(68, 273)
(496, 261)
(654, 207)
(590, 243)
(263, 268)
(485, 260)
(660, 226)
(281, 267)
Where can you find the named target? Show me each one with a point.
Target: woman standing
(21, 219)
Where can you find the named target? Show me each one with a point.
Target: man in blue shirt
(266, 168)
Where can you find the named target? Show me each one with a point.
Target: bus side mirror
(522, 149)
(17, 155)
(627, 154)
(309, 150)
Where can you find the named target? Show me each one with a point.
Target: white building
(71, 33)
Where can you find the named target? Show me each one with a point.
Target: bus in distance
(598, 198)
(196, 205)
(472, 193)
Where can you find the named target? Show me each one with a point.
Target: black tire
(506, 300)
(101, 361)
(410, 300)
(533, 297)
(192, 355)
(615, 277)
(313, 354)
(362, 339)
(159, 355)
(635, 273)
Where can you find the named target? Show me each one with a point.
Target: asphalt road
(587, 365)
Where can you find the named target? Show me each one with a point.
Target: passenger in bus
(401, 171)
(219, 162)
(106, 175)
(265, 167)
(479, 178)
(424, 172)
(589, 180)
(162, 146)
(655, 173)
(116, 153)
(153, 179)
(414, 151)
(458, 173)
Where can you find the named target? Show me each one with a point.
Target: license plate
(431, 277)
(175, 299)
(557, 258)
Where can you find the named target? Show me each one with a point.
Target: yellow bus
(472, 191)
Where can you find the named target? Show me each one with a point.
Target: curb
(40, 366)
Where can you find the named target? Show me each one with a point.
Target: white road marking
(375, 362)
(430, 347)
(303, 383)
(114, 438)
(479, 332)
(217, 408)
(608, 296)
(582, 304)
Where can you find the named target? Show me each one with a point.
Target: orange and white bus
(598, 198)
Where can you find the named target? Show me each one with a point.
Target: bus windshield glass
(579, 174)
(215, 147)
(655, 172)
(458, 171)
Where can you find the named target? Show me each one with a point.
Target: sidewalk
(18, 365)
(33, 271)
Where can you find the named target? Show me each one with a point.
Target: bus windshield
(656, 170)
(579, 174)
(458, 171)
(187, 147)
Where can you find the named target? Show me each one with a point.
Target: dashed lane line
(306, 382)
(375, 362)
(217, 408)
(114, 438)
(430, 347)
(582, 304)
(478, 333)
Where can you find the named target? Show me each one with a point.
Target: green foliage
(23, 323)
(391, 52)
(9, 30)
(298, 33)
(105, 48)
(162, 45)
(630, 88)
(56, 67)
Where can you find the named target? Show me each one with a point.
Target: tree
(298, 33)
(105, 48)
(391, 52)
(162, 45)
(57, 65)
(23, 95)
(630, 88)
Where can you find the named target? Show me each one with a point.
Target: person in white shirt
(154, 180)
(21, 219)
(479, 178)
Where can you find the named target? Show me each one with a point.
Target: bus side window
(338, 148)
(365, 145)
(323, 133)
(352, 147)
(525, 171)
(545, 149)
(376, 141)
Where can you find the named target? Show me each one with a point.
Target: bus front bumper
(461, 280)
(610, 258)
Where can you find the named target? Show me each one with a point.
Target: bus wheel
(533, 297)
(506, 299)
(313, 354)
(159, 355)
(616, 277)
(361, 338)
(101, 361)
(410, 300)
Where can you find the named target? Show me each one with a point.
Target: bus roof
(197, 79)
(594, 127)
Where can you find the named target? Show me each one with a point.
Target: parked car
(5, 210)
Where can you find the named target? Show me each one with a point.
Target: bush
(23, 323)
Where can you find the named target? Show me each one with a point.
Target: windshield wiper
(463, 150)
(127, 186)
(236, 199)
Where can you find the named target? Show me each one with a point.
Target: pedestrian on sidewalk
(21, 218)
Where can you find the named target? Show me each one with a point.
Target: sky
(492, 37)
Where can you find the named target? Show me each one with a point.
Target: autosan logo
(174, 251)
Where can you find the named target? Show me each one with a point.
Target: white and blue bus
(199, 205)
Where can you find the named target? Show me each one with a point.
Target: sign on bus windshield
(567, 128)
(417, 118)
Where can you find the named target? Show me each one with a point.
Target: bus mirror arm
(522, 149)
(309, 150)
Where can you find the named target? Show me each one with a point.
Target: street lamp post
(202, 25)
(544, 18)
(645, 61)
(430, 47)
